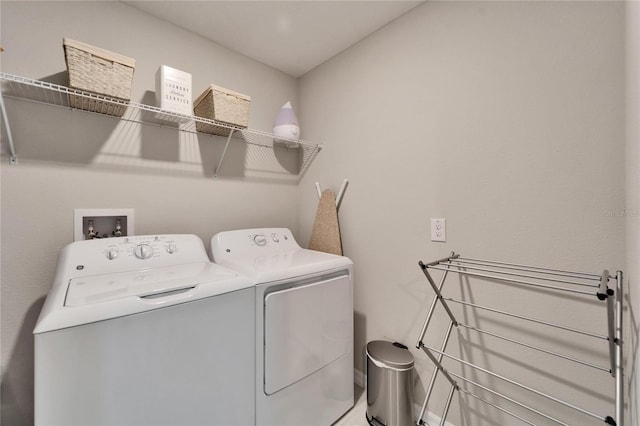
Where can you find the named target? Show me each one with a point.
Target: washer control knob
(171, 248)
(112, 254)
(260, 240)
(143, 251)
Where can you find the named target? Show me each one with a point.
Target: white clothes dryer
(304, 325)
(145, 330)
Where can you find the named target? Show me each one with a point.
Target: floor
(355, 416)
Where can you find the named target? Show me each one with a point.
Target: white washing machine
(145, 330)
(304, 325)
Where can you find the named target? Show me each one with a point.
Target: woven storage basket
(99, 71)
(220, 104)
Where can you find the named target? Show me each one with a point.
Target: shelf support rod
(497, 407)
(224, 152)
(611, 326)
(431, 309)
(434, 375)
(534, 269)
(446, 259)
(438, 364)
(543, 270)
(513, 382)
(530, 319)
(619, 366)
(535, 348)
(437, 291)
(476, 267)
(515, 281)
(12, 151)
(443, 419)
(506, 398)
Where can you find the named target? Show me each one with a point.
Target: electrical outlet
(102, 223)
(438, 230)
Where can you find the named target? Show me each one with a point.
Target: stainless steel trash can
(389, 384)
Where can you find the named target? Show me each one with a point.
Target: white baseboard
(431, 419)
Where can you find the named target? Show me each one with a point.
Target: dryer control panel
(267, 237)
(257, 241)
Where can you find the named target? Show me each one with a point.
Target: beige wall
(507, 119)
(70, 159)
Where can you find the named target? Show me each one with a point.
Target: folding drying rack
(522, 275)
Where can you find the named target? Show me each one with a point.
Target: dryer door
(306, 328)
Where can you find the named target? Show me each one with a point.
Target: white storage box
(173, 90)
(93, 69)
(220, 104)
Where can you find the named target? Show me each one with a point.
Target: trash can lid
(389, 354)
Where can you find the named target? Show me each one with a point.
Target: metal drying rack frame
(523, 275)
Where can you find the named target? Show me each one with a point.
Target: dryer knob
(260, 240)
(143, 251)
(171, 248)
(112, 254)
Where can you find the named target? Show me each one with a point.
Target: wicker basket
(99, 71)
(220, 104)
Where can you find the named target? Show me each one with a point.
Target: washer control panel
(124, 253)
(142, 248)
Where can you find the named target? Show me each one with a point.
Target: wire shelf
(263, 143)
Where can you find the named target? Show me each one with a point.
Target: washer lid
(389, 355)
(83, 300)
(144, 283)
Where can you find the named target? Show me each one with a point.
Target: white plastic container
(285, 127)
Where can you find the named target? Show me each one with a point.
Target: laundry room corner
(475, 112)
